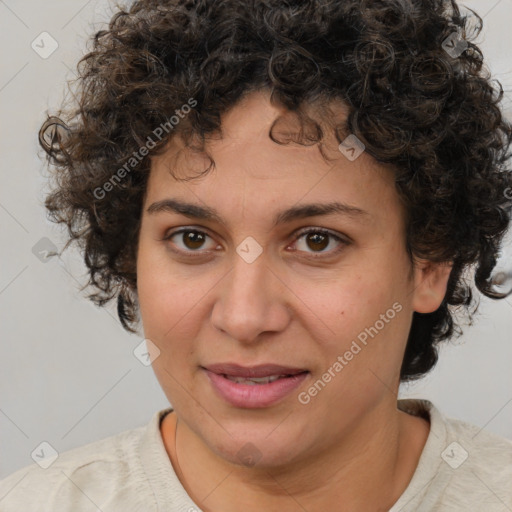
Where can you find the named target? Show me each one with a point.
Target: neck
(336, 478)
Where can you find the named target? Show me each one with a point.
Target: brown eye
(317, 240)
(193, 239)
(188, 240)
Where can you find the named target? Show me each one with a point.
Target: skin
(349, 448)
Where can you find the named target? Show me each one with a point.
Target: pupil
(189, 239)
(317, 239)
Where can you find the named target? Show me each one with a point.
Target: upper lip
(262, 370)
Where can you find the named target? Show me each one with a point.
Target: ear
(430, 281)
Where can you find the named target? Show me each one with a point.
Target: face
(332, 295)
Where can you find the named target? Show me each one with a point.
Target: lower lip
(254, 396)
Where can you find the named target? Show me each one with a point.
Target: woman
(288, 193)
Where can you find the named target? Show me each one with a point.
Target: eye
(318, 239)
(194, 239)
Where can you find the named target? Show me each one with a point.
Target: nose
(252, 299)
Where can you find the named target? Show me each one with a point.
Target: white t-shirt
(462, 468)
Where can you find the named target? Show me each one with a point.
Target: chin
(256, 449)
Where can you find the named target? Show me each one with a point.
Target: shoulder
(483, 455)
(463, 467)
(479, 439)
(96, 473)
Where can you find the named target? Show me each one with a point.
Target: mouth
(252, 381)
(256, 386)
(269, 370)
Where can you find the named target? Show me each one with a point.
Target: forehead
(253, 170)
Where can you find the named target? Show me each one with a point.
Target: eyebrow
(302, 211)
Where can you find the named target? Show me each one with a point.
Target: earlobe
(430, 282)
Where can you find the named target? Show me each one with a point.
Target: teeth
(254, 380)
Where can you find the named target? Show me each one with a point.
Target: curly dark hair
(432, 114)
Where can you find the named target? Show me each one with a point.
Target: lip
(257, 396)
(261, 370)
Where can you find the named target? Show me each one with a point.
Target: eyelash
(194, 254)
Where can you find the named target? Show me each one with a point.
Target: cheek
(172, 296)
(346, 305)
(160, 292)
(164, 300)
(368, 321)
(169, 309)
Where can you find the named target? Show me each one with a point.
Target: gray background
(68, 375)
